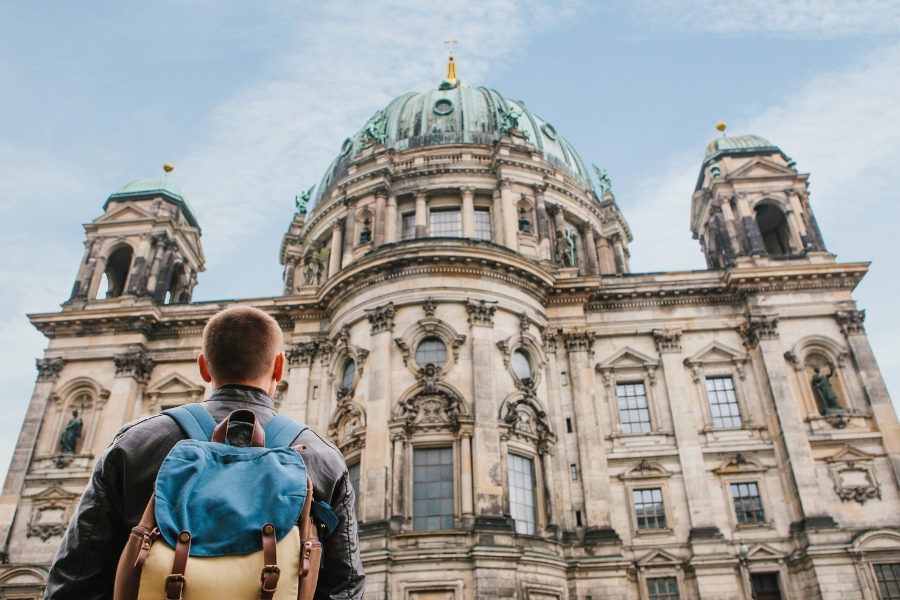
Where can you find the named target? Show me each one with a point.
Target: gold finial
(721, 126)
(168, 167)
(451, 65)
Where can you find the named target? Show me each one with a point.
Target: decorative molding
(481, 312)
(381, 318)
(429, 306)
(52, 509)
(134, 364)
(301, 354)
(851, 321)
(853, 474)
(348, 425)
(758, 327)
(667, 340)
(524, 418)
(49, 368)
(579, 340)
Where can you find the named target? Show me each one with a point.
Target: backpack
(227, 521)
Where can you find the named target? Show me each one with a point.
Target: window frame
(432, 211)
(711, 419)
(432, 444)
(650, 417)
(403, 217)
(637, 519)
(490, 224)
(535, 491)
(734, 509)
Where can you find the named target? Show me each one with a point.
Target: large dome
(455, 114)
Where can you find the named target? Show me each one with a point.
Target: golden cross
(450, 43)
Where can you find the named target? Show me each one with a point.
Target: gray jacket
(85, 564)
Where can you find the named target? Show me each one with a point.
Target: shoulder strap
(194, 419)
(281, 431)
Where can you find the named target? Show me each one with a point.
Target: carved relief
(481, 312)
(667, 340)
(429, 306)
(853, 474)
(758, 327)
(49, 368)
(381, 318)
(579, 341)
(347, 424)
(52, 509)
(851, 321)
(433, 403)
(524, 418)
(301, 354)
(134, 364)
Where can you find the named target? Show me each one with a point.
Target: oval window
(349, 374)
(548, 130)
(345, 147)
(521, 364)
(431, 350)
(443, 106)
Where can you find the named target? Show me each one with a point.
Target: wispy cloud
(832, 18)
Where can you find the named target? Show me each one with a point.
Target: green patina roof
(739, 143)
(454, 114)
(150, 188)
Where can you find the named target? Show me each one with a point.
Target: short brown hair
(240, 343)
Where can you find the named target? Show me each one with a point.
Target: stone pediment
(740, 463)
(126, 212)
(873, 541)
(628, 358)
(175, 384)
(716, 352)
(761, 167)
(764, 552)
(659, 558)
(53, 493)
(849, 454)
(646, 469)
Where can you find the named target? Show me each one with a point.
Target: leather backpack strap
(194, 420)
(282, 430)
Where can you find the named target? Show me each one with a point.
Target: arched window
(521, 364)
(176, 283)
(349, 374)
(431, 350)
(116, 274)
(774, 229)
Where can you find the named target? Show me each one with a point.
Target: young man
(243, 361)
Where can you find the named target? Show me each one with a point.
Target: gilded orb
(168, 167)
(721, 125)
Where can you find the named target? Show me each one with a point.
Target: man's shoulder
(146, 430)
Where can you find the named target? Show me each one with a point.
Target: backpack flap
(224, 495)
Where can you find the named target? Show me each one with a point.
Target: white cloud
(841, 127)
(832, 18)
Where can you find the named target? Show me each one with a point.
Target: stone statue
(376, 128)
(570, 240)
(602, 179)
(314, 262)
(510, 117)
(824, 392)
(303, 199)
(70, 434)
(563, 257)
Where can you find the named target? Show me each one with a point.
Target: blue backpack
(227, 521)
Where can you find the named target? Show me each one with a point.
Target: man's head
(242, 345)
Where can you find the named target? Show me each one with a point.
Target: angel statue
(602, 179)
(315, 261)
(303, 199)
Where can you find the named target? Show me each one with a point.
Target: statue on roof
(375, 129)
(509, 121)
(602, 179)
(303, 199)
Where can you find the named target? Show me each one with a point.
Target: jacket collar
(246, 394)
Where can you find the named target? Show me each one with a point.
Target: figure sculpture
(602, 179)
(570, 240)
(69, 437)
(303, 199)
(824, 392)
(563, 256)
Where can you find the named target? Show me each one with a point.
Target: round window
(443, 106)
(345, 147)
(521, 364)
(431, 350)
(548, 130)
(349, 374)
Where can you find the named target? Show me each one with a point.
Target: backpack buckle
(269, 578)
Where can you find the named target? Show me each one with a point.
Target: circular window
(431, 350)
(349, 374)
(521, 364)
(345, 147)
(548, 130)
(443, 106)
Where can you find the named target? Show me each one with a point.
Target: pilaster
(376, 459)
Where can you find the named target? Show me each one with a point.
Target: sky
(251, 101)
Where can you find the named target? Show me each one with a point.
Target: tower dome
(455, 114)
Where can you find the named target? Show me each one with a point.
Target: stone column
(133, 370)
(390, 227)
(797, 209)
(796, 242)
(468, 212)
(380, 216)
(48, 373)
(349, 231)
(337, 244)
(167, 264)
(421, 214)
(731, 226)
(486, 475)
(687, 422)
(550, 483)
(376, 459)
(156, 252)
(543, 221)
(606, 255)
(96, 278)
(760, 332)
(591, 449)
(465, 478)
(751, 227)
(590, 248)
(399, 476)
(497, 218)
(619, 253)
(851, 322)
(510, 225)
(299, 362)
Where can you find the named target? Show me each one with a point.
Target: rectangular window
(648, 506)
(521, 493)
(888, 577)
(765, 586)
(408, 226)
(483, 224)
(662, 588)
(353, 471)
(747, 503)
(446, 223)
(633, 412)
(433, 488)
(573, 469)
(568, 424)
(563, 379)
(723, 403)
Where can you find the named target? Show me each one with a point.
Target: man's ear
(278, 372)
(204, 368)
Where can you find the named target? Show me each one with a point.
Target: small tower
(145, 245)
(750, 203)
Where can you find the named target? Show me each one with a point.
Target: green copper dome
(142, 189)
(455, 114)
(739, 144)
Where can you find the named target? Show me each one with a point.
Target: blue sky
(251, 101)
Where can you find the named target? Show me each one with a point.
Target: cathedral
(522, 415)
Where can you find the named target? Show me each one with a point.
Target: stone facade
(523, 416)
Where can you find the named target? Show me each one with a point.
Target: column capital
(758, 327)
(467, 192)
(421, 195)
(49, 368)
(301, 354)
(481, 312)
(579, 341)
(134, 364)
(851, 321)
(667, 340)
(539, 188)
(381, 192)
(381, 318)
(504, 184)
